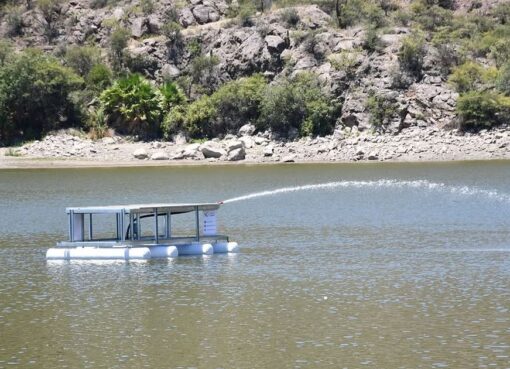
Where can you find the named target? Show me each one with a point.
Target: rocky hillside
(361, 60)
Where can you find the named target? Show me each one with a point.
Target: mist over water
(341, 266)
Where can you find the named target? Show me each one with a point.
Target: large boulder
(212, 149)
(232, 145)
(237, 154)
(140, 154)
(205, 14)
(139, 27)
(247, 130)
(186, 17)
(160, 155)
(275, 44)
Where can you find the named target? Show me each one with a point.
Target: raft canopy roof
(144, 208)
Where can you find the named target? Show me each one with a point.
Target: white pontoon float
(133, 242)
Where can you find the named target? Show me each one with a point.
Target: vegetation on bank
(81, 86)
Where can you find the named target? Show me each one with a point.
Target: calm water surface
(370, 274)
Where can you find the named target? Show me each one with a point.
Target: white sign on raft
(209, 226)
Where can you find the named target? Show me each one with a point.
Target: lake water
(392, 266)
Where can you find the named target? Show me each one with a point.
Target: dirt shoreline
(66, 150)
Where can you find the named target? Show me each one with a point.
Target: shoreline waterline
(7, 163)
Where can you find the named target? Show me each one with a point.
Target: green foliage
(203, 71)
(372, 41)
(82, 58)
(140, 63)
(194, 47)
(175, 40)
(482, 109)
(502, 12)
(50, 10)
(411, 54)
(171, 96)
(195, 119)
(35, 96)
(345, 61)
(147, 6)
(431, 17)
(382, 109)
(172, 31)
(503, 80)
(500, 51)
(226, 110)
(118, 42)
(374, 15)
(349, 12)
(13, 20)
(291, 17)
(237, 103)
(297, 103)
(5, 51)
(97, 124)
(246, 13)
(471, 76)
(99, 78)
(133, 106)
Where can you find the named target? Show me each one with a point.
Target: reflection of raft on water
(141, 232)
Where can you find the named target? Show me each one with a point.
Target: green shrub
(5, 51)
(133, 106)
(349, 12)
(99, 78)
(35, 96)
(500, 51)
(411, 54)
(503, 79)
(345, 61)
(50, 10)
(471, 76)
(97, 124)
(237, 103)
(432, 17)
(203, 71)
(147, 6)
(297, 103)
(402, 17)
(175, 40)
(374, 15)
(246, 13)
(171, 96)
(483, 109)
(225, 111)
(372, 41)
(82, 58)
(382, 109)
(290, 17)
(13, 20)
(195, 119)
(118, 42)
(502, 12)
(140, 63)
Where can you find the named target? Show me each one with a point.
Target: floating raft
(141, 232)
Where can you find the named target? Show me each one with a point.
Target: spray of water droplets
(383, 183)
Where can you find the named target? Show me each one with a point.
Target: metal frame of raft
(130, 243)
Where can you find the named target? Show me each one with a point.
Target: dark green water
(397, 266)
